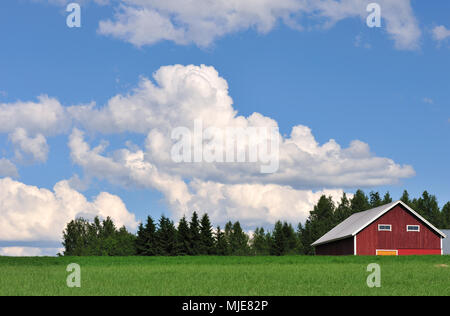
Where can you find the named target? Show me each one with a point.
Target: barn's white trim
(354, 245)
(408, 229)
(383, 229)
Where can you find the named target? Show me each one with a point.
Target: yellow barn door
(387, 252)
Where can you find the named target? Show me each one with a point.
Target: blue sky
(345, 82)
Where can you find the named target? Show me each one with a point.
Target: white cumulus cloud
(145, 22)
(35, 148)
(177, 96)
(441, 33)
(29, 213)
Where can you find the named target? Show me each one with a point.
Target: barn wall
(338, 248)
(370, 239)
(446, 242)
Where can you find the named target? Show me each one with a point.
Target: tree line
(197, 236)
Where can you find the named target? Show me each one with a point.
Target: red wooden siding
(338, 248)
(424, 242)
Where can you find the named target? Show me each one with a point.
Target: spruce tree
(146, 241)
(239, 241)
(167, 238)
(194, 228)
(359, 202)
(221, 245)
(375, 199)
(445, 214)
(184, 237)
(291, 240)
(428, 207)
(279, 241)
(206, 236)
(343, 210)
(387, 198)
(405, 198)
(260, 243)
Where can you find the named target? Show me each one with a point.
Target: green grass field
(226, 276)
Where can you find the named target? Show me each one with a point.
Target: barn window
(384, 228)
(413, 228)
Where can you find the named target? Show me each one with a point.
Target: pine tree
(359, 202)
(343, 211)
(184, 237)
(221, 245)
(387, 198)
(194, 228)
(260, 243)
(206, 236)
(405, 198)
(239, 241)
(291, 240)
(279, 242)
(146, 241)
(428, 207)
(445, 213)
(319, 222)
(167, 238)
(375, 199)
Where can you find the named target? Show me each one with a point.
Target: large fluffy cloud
(182, 95)
(144, 22)
(29, 213)
(185, 94)
(179, 96)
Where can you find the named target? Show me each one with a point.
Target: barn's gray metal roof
(358, 221)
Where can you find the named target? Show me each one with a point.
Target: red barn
(391, 229)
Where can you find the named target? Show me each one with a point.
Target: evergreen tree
(221, 245)
(387, 198)
(206, 236)
(375, 199)
(359, 202)
(125, 243)
(445, 213)
(260, 243)
(184, 237)
(343, 211)
(319, 222)
(82, 238)
(428, 207)
(194, 227)
(146, 241)
(301, 248)
(291, 240)
(405, 198)
(167, 238)
(239, 241)
(279, 242)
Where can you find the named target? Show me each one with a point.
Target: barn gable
(361, 223)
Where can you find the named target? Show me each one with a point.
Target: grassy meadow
(226, 276)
